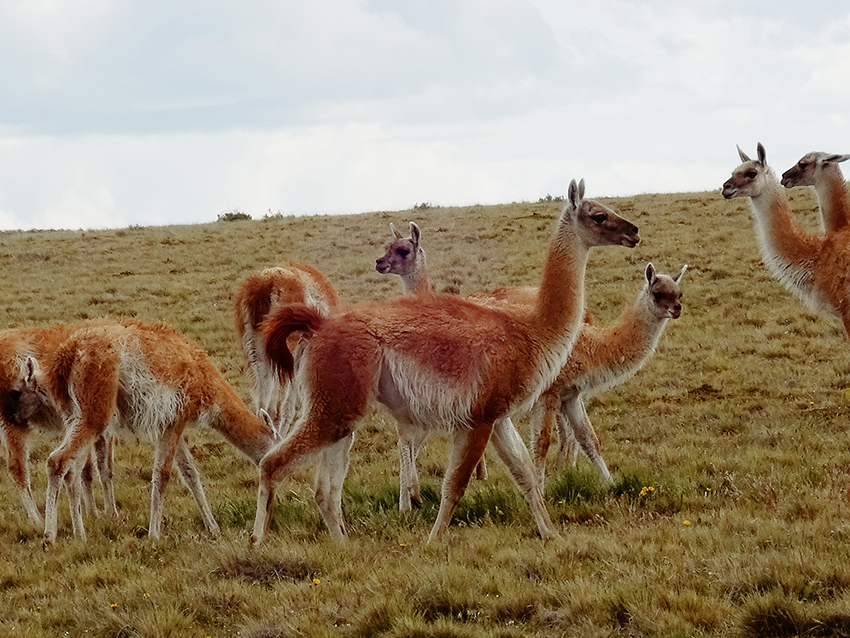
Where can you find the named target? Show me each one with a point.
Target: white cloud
(156, 112)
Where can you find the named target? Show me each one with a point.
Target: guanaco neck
(560, 299)
(833, 199)
(619, 350)
(786, 248)
(241, 427)
(417, 281)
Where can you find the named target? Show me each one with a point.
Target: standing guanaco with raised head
(437, 361)
(601, 358)
(814, 267)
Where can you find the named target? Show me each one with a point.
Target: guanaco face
(806, 172)
(598, 225)
(750, 179)
(400, 255)
(665, 293)
(607, 227)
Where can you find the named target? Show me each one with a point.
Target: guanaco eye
(802, 165)
(751, 174)
(598, 218)
(402, 252)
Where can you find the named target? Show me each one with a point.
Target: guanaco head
(32, 397)
(598, 225)
(811, 166)
(751, 178)
(400, 256)
(664, 292)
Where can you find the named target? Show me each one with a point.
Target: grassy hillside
(730, 451)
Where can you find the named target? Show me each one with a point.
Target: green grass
(730, 452)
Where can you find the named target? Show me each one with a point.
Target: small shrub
(434, 600)
(268, 632)
(237, 514)
(234, 215)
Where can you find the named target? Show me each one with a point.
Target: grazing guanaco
(147, 379)
(20, 416)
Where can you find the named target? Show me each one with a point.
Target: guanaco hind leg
(469, 445)
(104, 457)
(513, 452)
(330, 473)
(192, 478)
(305, 445)
(586, 436)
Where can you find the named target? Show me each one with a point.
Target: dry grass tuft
(267, 571)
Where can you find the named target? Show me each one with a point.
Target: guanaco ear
(581, 189)
(836, 159)
(30, 369)
(650, 273)
(678, 276)
(393, 230)
(744, 157)
(572, 195)
(762, 155)
(415, 233)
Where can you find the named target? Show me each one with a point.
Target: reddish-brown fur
(822, 171)
(149, 379)
(252, 302)
(816, 268)
(438, 361)
(19, 416)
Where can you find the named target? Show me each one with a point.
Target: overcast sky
(138, 112)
